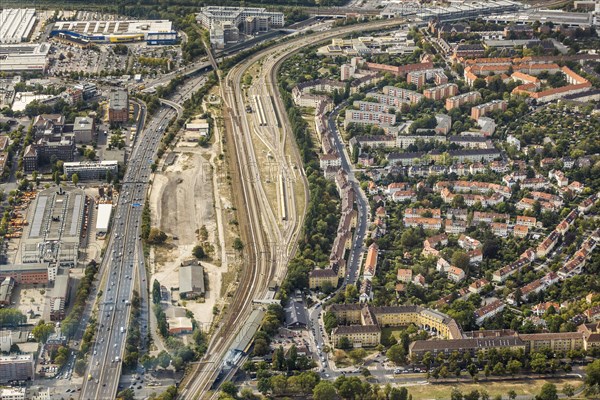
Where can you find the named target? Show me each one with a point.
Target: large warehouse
(57, 219)
(24, 57)
(16, 24)
(152, 31)
(103, 218)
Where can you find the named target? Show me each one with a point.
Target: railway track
(269, 241)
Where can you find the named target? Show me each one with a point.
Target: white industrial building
(24, 57)
(16, 24)
(90, 170)
(103, 217)
(225, 23)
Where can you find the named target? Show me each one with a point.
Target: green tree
(42, 331)
(461, 260)
(75, 179)
(344, 343)
(324, 391)
(80, 367)
(568, 390)
(156, 292)
(238, 245)
(157, 236)
(593, 373)
(548, 392)
(229, 388)
(198, 252)
(357, 355)
(396, 354)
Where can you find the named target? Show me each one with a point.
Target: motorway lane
(122, 255)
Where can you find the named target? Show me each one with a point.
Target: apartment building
(457, 101)
(441, 92)
(369, 118)
(419, 78)
(482, 110)
(405, 95)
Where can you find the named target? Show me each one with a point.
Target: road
(271, 240)
(122, 260)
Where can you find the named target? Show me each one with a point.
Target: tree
(42, 331)
(344, 343)
(198, 252)
(512, 395)
(330, 321)
(164, 359)
(568, 390)
(80, 367)
(75, 179)
(593, 373)
(156, 292)
(229, 388)
(498, 369)
(238, 245)
(473, 371)
(396, 354)
(357, 355)
(324, 391)
(461, 260)
(156, 236)
(548, 392)
(514, 367)
(126, 394)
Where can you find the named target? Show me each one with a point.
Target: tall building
(225, 23)
(118, 106)
(16, 368)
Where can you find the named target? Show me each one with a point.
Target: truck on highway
(122, 330)
(117, 359)
(89, 377)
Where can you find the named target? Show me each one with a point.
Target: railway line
(270, 239)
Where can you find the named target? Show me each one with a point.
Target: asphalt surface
(123, 258)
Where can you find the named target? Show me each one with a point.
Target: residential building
(318, 277)
(457, 101)
(16, 368)
(481, 110)
(441, 92)
(118, 106)
(488, 311)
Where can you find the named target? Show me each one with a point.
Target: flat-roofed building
(55, 229)
(24, 57)
(27, 274)
(84, 129)
(103, 217)
(15, 367)
(118, 106)
(60, 297)
(91, 170)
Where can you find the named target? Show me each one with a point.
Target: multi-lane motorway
(121, 261)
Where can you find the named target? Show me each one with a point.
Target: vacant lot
(523, 388)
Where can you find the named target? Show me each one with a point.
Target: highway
(271, 240)
(122, 259)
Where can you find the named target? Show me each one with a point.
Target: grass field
(529, 388)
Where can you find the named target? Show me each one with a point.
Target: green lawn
(529, 388)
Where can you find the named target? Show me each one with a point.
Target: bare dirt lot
(182, 200)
